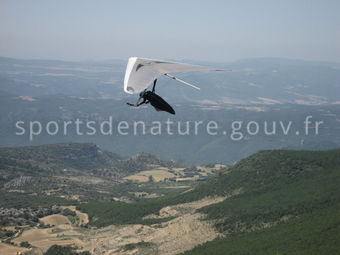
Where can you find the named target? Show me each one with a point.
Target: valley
(265, 195)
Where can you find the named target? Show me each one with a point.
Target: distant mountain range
(250, 81)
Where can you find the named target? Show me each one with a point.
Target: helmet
(142, 93)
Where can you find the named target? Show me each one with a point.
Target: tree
(25, 244)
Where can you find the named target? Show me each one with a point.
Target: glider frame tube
(184, 82)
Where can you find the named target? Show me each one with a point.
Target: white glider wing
(141, 72)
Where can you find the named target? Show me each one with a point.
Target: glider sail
(141, 72)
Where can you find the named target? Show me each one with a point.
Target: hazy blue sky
(202, 30)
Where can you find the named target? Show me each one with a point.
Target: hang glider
(142, 72)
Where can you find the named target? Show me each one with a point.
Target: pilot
(155, 100)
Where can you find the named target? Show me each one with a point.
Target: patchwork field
(177, 174)
(6, 249)
(61, 232)
(55, 220)
(44, 238)
(158, 174)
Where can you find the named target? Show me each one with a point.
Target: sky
(188, 29)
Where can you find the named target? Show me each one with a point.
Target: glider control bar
(186, 83)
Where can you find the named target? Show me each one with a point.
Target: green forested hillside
(316, 232)
(288, 204)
